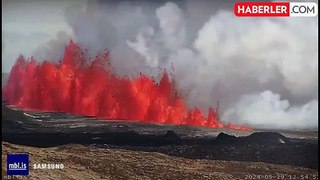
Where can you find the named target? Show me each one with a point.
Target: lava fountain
(92, 88)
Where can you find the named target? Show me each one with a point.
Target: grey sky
(29, 24)
(26, 25)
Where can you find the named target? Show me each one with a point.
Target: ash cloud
(263, 71)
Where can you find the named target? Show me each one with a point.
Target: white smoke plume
(253, 66)
(267, 110)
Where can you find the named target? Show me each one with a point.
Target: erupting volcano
(92, 88)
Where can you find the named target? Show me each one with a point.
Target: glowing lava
(78, 86)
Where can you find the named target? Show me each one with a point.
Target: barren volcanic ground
(91, 148)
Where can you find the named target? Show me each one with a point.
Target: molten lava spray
(91, 88)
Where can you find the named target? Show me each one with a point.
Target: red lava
(79, 86)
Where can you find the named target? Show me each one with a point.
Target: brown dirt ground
(83, 162)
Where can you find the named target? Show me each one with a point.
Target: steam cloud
(268, 108)
(263, 71)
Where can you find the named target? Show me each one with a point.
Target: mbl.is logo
(17, 164)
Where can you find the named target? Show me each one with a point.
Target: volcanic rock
(171, 135)
(267, 138)
(254, 138)
(11, 116)
(52, 129)
(223, 138)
